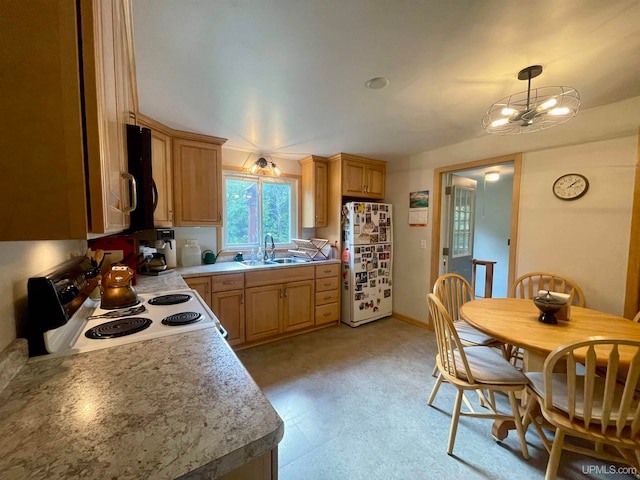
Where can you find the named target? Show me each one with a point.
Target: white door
(461, 214)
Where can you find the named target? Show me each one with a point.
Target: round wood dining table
(515, 321)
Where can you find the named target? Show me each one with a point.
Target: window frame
(260, 179)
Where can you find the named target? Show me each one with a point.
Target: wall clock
(570, 186)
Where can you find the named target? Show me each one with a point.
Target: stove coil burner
(182, 318)
(118, 328)
(172, 299)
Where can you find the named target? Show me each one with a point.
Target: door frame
(438, 176)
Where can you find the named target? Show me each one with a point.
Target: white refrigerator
(366, 276)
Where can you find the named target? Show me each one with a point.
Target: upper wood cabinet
(197, 182)
(69, 92)
(362, 177)
(162, 170)
(314, 191)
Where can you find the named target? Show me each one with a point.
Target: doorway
(495, 222)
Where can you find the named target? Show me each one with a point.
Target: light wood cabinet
(263, 312)
(327, 294)
(162, 170)
(197, 176)
(229, 308)
(202, 285)
(224, 294)
(70, 92)
(362, 177)
(299, 307)
(227, 302)
(278, 301)
(314, 191)
(266, 304)
(279, 308)
(350, 178)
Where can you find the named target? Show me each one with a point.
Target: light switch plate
(423, 244)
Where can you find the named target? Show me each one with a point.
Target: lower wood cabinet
(229, 308)
(327, 297)
(298, 311)
(254, 308)
(279, 308)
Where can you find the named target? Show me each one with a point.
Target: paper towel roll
(170, 255)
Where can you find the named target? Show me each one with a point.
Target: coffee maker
(158, 250)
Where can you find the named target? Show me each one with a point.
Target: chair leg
(434, 373)
(455, 416)
(554, 458)
(518, 421)
(434, 390)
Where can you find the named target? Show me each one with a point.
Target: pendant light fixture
(534, 110)
(263, 163)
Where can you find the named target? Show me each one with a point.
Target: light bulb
(254, 168)
(492, 176)
(559, 111)
(507, 111)
(548, 104)
(499, 122)
(275, 168)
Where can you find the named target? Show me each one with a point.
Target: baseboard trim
(412, 321)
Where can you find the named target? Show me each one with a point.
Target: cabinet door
(108, 107)
(298, 305)
(197, 175)
(320, 193)
(42, 184)
(353, 178)
(229, 308)
(374, 187)
(202, 285)
(263, 311)
(163, 178)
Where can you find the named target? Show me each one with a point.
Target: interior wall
(18, 262)
(587, 239)
(600, 143)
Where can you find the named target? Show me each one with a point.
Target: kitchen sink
(287, 260)
(253, 263)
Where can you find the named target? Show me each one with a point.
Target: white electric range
(65, 320)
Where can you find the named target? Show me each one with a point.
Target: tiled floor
(354, 402)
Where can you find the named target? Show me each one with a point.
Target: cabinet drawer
(232, 281)
(323, 284)
(324, 271)
(327, 313)
(273, 275)
(330, 296)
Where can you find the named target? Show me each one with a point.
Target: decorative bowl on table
(548, 306)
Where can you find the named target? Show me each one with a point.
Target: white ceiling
(286, 77)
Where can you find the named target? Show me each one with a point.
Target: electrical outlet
(423, 244)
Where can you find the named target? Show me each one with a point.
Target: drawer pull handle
(228, 282)
(327, 298)
(327, 271)
(327, 314)
(326, 284)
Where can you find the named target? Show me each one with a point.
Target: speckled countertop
(179, 406)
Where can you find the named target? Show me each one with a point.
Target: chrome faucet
(273, 247)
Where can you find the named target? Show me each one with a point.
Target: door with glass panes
(461, 212)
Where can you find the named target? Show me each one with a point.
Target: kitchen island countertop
(179, 406)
